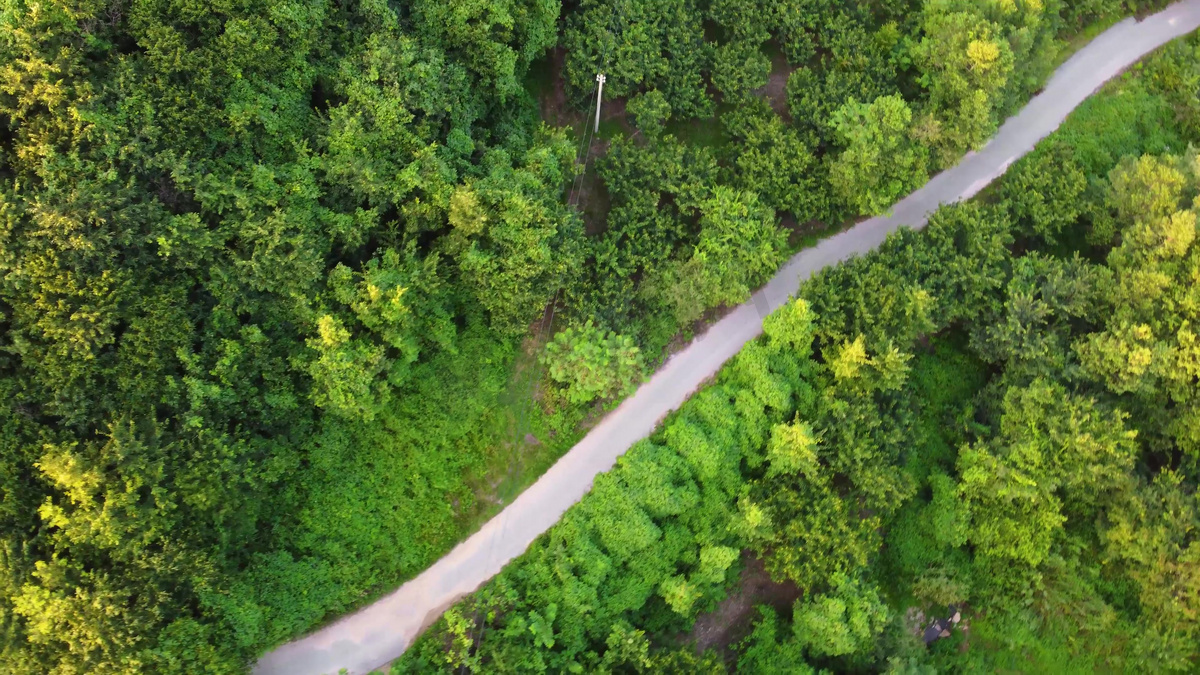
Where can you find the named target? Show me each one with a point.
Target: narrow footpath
(380, 632)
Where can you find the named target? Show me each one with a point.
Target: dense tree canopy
(996, 413)
(880, 163)
(228, 231)
(281, 282)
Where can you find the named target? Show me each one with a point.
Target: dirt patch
(776, 90)
(733, 619)
(798, 233)
(590, 196)
(553, 101)
(614, 110)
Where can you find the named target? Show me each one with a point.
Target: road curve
(380, 632)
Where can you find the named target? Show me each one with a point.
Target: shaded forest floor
(776, 89)
(733, 619)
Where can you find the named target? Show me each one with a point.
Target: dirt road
(380, 632)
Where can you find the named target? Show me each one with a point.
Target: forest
(288, 289)
(996, 418)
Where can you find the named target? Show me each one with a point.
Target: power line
(584, 145)
(585, 149)
(577, 185)
(537, 373)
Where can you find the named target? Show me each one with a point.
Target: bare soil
(776, 89)
(799, 232)
(733, 619)
(555, 109)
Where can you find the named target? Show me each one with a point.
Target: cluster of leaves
(591, 363)
(1039, 462)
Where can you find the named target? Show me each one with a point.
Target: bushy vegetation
(870, 98)
(999, 413)
(275, 277)
(265, 269)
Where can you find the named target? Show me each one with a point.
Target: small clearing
(776, 89)
(734, 617)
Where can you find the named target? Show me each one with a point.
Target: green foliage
(651, 111)
(792, 449)
(743, 21)
(739, 67)
(842, 622)
(657, 191)
(1130, 120)
(965, 63)
(517, 240)
(1172, 73)
(774, 161)
(1055, 455)
(641, 46)
(763, 653)
(266, 266)
(1154, 536)
(879, 163)
(906, 291)
(738, 248)
(922, 94)
(858, 62)
(1045, 191)
(345, 374)
(1031, 332)
(819, 529)
(592, 363)
(1147, 348)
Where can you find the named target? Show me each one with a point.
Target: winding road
(380, 632)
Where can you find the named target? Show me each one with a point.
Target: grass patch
(541, 77)
(705, 133)
(530, 439)
(1123, 119)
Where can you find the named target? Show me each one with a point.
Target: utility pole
(599, 95)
